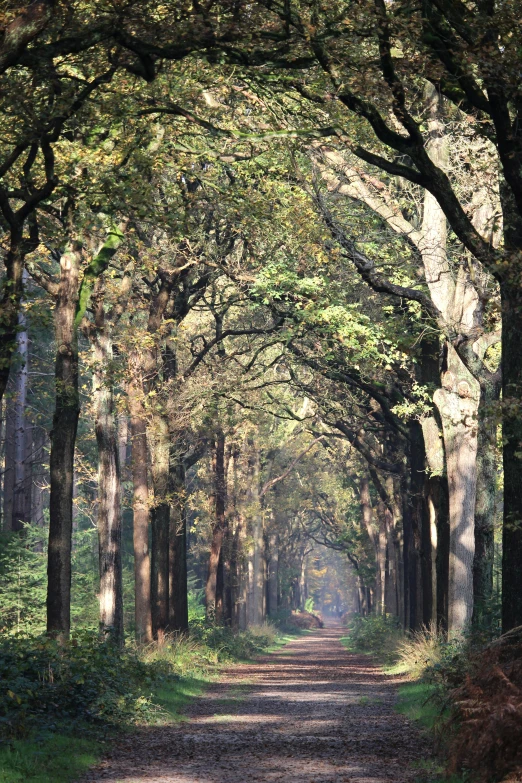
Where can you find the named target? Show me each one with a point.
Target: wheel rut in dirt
(310, 713)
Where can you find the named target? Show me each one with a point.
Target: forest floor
(310, 713)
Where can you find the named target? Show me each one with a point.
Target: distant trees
(354, 289)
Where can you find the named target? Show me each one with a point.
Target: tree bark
(20, 489)
(10, 298)
(258, 592)
(109, 484)
(140, 505)
(485, 506)
(273, 572)
(160, 523)
(511, 294)
(218, 470)
(9, 460)
(178, 598)
(457, 402)
(63, 439)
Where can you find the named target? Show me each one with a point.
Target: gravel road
(310, 713)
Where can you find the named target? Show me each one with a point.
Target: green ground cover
(61, 704)
(429, 662)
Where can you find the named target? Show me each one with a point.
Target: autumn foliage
(488, 711)
(304, 620)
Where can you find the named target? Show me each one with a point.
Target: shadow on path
(310, 713)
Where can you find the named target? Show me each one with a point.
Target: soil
(310, 713)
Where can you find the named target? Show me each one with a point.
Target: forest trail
(310, 713)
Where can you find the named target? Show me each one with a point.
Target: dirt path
(311, 713)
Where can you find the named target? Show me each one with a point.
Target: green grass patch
(56, 759)
(173, 696)
(417, 702)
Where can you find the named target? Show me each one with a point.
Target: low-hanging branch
(269, 484)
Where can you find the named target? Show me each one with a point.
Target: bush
(230, 645)
(377, 634)
(45, 684)
(421, 651)
(304, 620)
(486, 725)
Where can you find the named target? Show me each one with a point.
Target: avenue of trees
(260, 313)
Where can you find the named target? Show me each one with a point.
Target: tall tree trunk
(457, 400)
(140, 505)
(178, 598)
(367, 520)
(218, 469)
(10, 298)
(259, 552)
(458, 405)
(226, 551)
(243, 573)
(160, 523)
(258, 541)
(418, 519)
(9, 458)
(381, 540)
(485, 507)
(63, 439)
(236, 553)
(15, 487)
(511, 294)
(235, 575)
(109, 484)
(20, 489)
(273, 572)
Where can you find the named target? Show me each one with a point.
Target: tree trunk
(367, 520)
(458, 405)
(160, 523)
(109, 484)
(218, 469)
(273, 569)
(140, 505)
(511, 294)
(243, 572)
(178, 598)
(19, 512)
(381, 540)
(258, 564)
(10, 298)
(63, 439)
(236, 554)
(485, 508)
(9, 459)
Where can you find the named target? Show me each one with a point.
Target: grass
(416, 702)
(61, 758)
(56, 759)
(413, 655)
(183, 668)
(173, 697)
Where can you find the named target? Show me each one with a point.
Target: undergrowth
(467, 692)
(51, 694)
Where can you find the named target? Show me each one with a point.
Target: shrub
(487, 714)
(420, 651)
(43, 683)
(230, 645)
(304, 620)
(378, 634)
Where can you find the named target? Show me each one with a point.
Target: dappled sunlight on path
(310, 713)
